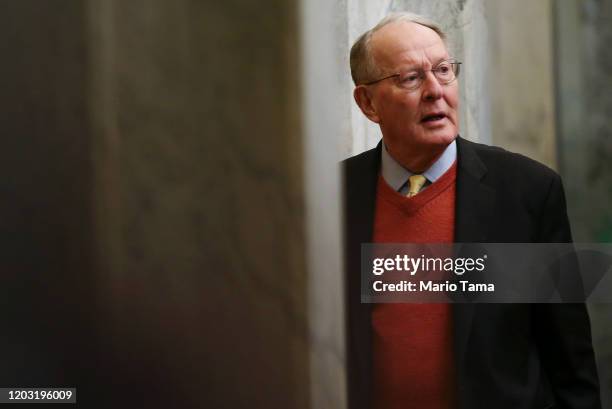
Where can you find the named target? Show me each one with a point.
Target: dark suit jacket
(506, 355)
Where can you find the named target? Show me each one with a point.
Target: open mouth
(433, 117)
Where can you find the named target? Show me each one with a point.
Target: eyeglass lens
(445, 72)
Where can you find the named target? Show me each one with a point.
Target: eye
(444, 68)
(409, 78)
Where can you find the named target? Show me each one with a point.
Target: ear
(363, 97)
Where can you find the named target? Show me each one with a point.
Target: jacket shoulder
(363, 165)
(360, 159)
(515, 165)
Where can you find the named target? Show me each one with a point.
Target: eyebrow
(419, 66)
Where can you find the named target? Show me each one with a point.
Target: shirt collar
(396, 175)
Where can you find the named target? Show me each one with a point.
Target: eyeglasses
(445, 72)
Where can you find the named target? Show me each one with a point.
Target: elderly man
(424, 183)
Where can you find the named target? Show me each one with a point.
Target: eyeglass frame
(451, 61)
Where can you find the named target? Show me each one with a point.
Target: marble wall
(584, 84)
(521, 78)
(323, 34)
(584, 102)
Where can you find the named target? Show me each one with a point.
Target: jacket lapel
(474, 213)
(474, 200)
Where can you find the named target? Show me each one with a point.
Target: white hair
(363, 66)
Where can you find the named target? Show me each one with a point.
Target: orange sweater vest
(412, 343)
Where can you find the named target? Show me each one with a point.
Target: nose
(432, 90)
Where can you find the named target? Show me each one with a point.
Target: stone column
(216, 202)
(170, 202)
(521, 80)
(324, 107)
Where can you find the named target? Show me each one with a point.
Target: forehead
(405, 42)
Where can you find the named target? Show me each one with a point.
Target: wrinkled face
(412, 121)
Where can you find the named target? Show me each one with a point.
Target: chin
(444, 138)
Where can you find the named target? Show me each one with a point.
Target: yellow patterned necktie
(416, 183)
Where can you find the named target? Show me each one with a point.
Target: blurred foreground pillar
(216, 203)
